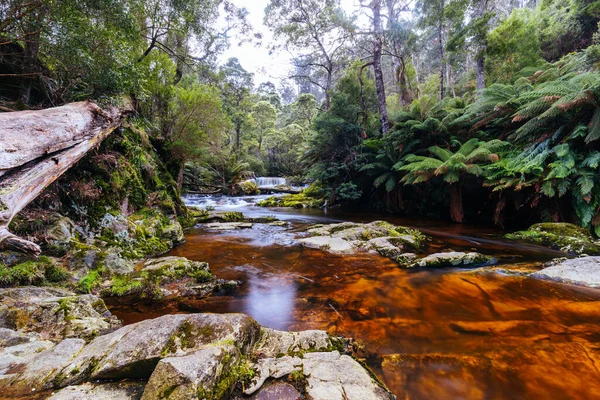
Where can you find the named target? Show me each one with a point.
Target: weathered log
(37, 147)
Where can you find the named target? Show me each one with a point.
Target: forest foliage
(477, 110)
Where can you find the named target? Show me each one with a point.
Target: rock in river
(561, 236)
(451, 259)
(378, 237)
(196, 356)
(579, 271)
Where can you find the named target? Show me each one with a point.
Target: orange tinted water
(429, 334)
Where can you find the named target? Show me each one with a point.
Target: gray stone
(273, 368)
(134, 351)
(328, 243)
(331, 376)
(39, 371)
(228, 226)
(579, 271)
(274, 343)
(61, 232)
(101, 391)
(451, 259)
(173, 232)
(186, 377)
(116, 263)
(55, 313)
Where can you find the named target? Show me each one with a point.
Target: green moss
(232, 216)
(292, 201)
(91, 281)
(34, 272)
(561, 236)
(124, 285)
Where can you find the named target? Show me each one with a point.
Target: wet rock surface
(450, 259)
(179, 357)
(562, 236)
(579, 271)
(378, 237)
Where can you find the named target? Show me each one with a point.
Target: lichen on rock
(562, 236)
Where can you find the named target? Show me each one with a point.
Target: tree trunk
(379, 83)
(180, 174)
(480, 83)
(456, 205)
(481, 48)
(441, 53)
(36, 147)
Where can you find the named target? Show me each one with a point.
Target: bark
(441, 53)
(456, 205)
(36, 147)
(481, 48)
(379, 82)
(180, 176)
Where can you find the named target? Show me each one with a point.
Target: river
(428, 334)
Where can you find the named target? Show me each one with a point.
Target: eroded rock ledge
(204, 356)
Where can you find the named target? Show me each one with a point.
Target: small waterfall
(269, 182)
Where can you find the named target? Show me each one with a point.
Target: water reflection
(430, 334)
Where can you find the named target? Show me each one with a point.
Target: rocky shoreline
(68, 345)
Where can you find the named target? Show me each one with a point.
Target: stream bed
(428, 334)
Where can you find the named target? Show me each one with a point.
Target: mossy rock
(450, 259)
(292, 201)
(561, 236)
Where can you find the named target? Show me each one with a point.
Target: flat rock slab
(334, 245)
(451, 259)
(579, 271)
(277, 391)
(106, 391)
(228, 226)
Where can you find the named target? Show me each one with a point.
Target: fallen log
(37, 147)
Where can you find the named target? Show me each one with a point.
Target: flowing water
(429, 334)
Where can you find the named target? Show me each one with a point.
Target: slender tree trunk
(379, 82)
(442, 61)
(31, 50)
(456, 204)
(481, 48)
(328, 90)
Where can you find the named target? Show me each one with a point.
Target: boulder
(55, 313)
(579, 271)
(196, 375)
(274, 343)
(332, 376)
(378, 237)
(451, 259)
(562, 236)
(38, 372)
(101, 391)
(173, 232)
(134, 350)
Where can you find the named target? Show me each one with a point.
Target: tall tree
(375, 8)
(236, 93)
(315, 28)
(433, 16)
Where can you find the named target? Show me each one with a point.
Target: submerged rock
(579, 271)
(378, 237)
(451, 259)
(561, 236)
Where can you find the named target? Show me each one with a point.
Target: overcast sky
(257, 59)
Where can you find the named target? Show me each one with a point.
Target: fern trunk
(456, 204)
